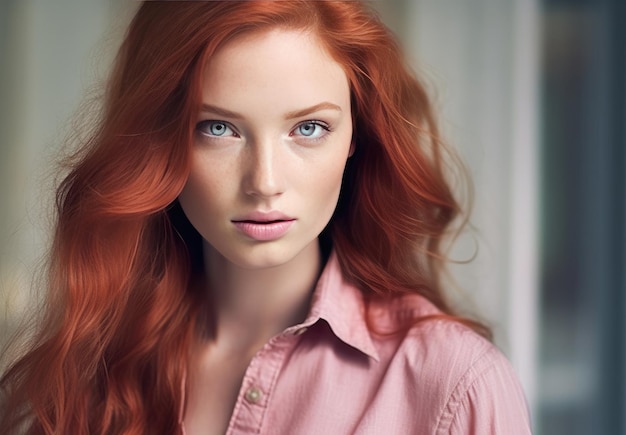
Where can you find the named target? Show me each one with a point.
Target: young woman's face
(271, 145)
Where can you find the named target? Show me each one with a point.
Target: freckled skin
(274, 135)
(255, 159)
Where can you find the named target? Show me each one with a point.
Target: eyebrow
(321, 106)
(291, 115)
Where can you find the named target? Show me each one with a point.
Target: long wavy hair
(121, 310)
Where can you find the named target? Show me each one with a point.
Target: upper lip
(263, 216)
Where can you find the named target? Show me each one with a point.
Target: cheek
(324, 185)
(200, 197)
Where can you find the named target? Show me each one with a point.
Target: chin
(262, 256)
(260, 262)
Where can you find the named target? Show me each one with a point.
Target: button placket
(258, 383)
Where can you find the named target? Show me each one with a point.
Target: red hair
(121, 309)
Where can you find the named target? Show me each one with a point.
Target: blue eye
(311, 129)
(215, 128)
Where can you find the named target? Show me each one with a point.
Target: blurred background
(531, 92)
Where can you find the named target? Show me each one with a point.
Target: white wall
(52, 52)
(482, 59)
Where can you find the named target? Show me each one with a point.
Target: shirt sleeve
(488, 400)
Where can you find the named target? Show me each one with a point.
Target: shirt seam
(459, 393)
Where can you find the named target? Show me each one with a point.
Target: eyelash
(315, 122)
(202, 127)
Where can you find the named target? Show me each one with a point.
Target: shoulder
(470, 385)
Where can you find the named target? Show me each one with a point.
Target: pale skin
(272, 141)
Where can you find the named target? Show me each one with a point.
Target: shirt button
(254, 395)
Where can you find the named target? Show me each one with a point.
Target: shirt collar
(341, 304)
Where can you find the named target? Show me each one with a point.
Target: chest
(308, 384)
(212, 388)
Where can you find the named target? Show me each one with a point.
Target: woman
(250, 243)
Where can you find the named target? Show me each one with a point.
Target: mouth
(261, 222)
(264, 217)
(264, 230)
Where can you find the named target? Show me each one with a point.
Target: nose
(264, 175)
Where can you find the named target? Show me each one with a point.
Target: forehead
(274, 65)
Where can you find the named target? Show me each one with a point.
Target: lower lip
(264, 232)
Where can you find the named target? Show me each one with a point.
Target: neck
(252, 305)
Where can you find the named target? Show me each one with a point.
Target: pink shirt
(331, 375)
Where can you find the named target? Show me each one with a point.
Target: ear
(352, 148)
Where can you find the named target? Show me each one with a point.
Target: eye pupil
(217, 129)
(307, 129)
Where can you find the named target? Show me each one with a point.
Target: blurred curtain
(583, 298)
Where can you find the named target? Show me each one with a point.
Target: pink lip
(264, 226)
